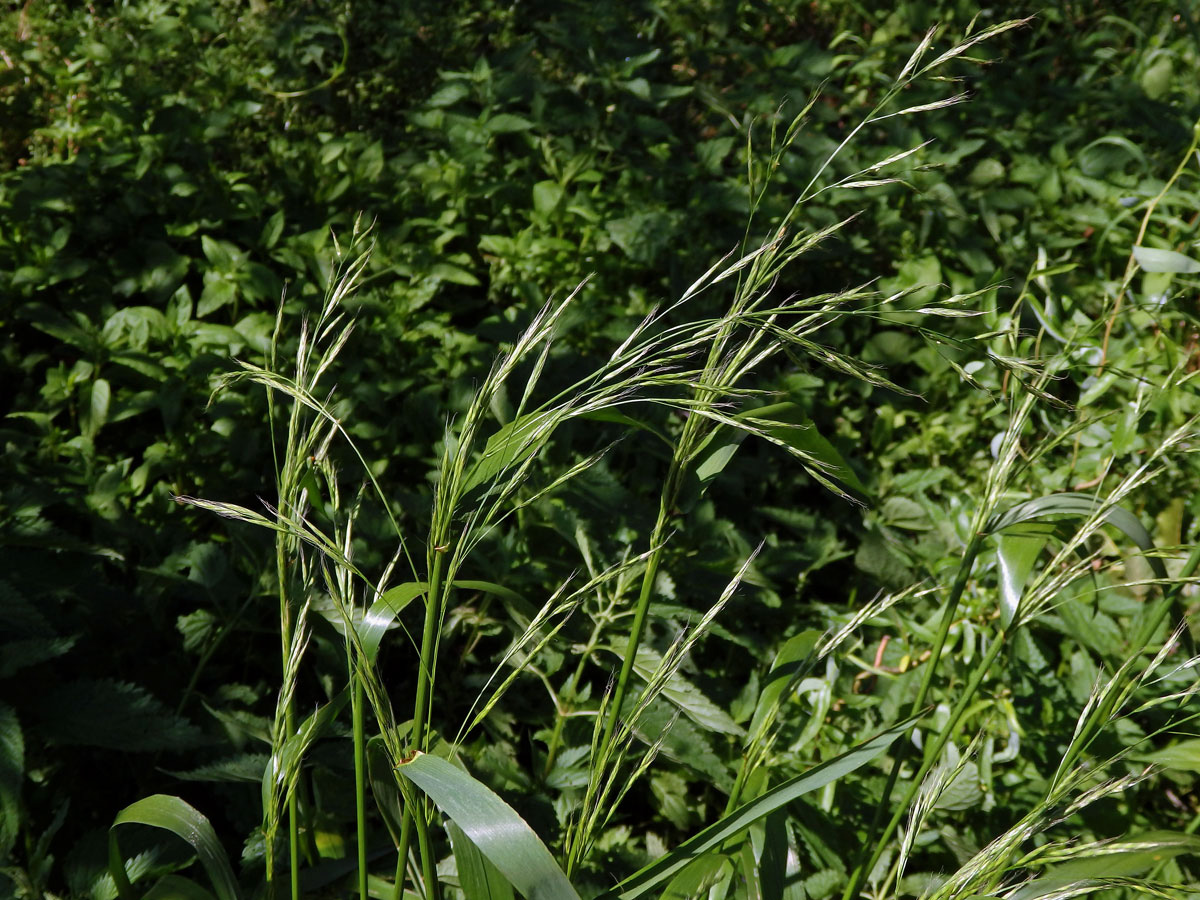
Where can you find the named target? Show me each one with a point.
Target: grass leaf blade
(493, 826)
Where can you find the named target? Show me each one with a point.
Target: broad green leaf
(1079, 505)
(620, 418)
(384, 611)
(546, 196)
(493, 826)
(176, 816)
(95, 414)
(283, 768)
(746, 815)
(507, 122)
(787, 423)
(718, 457)
(1018, 548)
(395, 600)
(478, 878)
(773, 856)
(1151, 259)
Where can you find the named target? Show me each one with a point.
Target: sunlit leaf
(493, 826)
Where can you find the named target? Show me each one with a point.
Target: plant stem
(360, 785)
(639, 618)
(1129, 266)
(949, 611)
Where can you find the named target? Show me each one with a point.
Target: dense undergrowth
(684, 555)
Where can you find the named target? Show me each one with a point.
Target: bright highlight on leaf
(492, 826)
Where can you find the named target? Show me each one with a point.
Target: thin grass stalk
(949, 611)
(998, 478)
(1131, 264)
(360, 783)
(932, 753)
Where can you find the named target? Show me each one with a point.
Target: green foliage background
(170, 171)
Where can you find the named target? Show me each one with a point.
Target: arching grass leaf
(1017, 552)
(1079, 505)
(176, 816)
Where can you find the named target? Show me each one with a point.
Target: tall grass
(699, 369)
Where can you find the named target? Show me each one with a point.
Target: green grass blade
(1017, 552)
(478, 878)
(1075, 504)
(172, 814)
(493, 826)
(712, 837)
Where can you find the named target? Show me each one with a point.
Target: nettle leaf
(682, 742)
(1151, 259)
(245, 768)
(17, 655)
(492, 826)
(114, 715)
(681, 693)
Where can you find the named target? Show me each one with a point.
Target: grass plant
(686, 379)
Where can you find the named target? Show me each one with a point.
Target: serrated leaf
(682, 694)
(1151, 259)
(16, 655)
(114, 715)
(492, 825)
(12, 774)
(681, 741)
(243, 768)
(172, 814)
